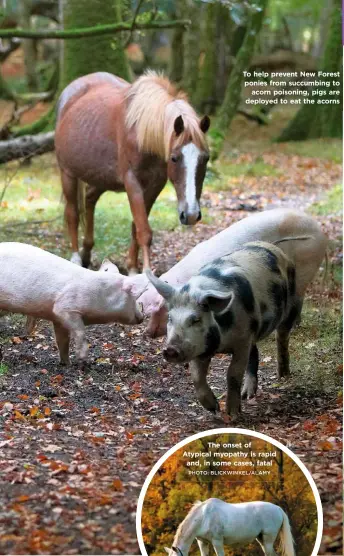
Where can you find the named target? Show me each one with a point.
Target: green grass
(332, 203)
(328, 149)
(34, 194)
(315, 350)
(221, 177)
(3, 369)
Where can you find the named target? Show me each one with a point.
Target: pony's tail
(286, 538)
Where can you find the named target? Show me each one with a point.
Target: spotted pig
(229, 306)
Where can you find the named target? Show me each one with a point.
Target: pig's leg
(235, 374)
(199, 369)
(74, 323)
(92, 196)
(62, 337)
(70, 191)
(251, 377)
(282, 338)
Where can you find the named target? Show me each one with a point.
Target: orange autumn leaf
(117, 484)
(23, 396)
(18, 415)
(47, 411)
(95, 410)
(325, 446)
(23, 498)
(34, 411)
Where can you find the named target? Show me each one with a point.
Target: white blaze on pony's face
(186, 168)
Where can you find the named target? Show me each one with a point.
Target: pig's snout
(173, 354)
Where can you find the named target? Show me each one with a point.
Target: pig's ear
(218, 302)
(166, 290)
(108, 266)
(135, 285)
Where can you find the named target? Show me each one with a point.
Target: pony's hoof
(132, 271)
(76, 259)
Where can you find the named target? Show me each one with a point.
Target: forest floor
(77, 444)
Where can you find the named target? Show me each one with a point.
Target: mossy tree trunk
(100, 53)
(29, 45)
(191, 11)
(206, 88)
(322, 120)
(177, 58)
(242, 63)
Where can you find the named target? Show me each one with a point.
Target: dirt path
(77, 445)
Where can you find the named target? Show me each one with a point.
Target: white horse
(219, 523)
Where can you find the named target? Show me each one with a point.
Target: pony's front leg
(138, 210)
(199, 368)
(133, 255)
(204, 547)
(92, 196)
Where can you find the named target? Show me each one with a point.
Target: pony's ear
(179, 125)
(204, 124)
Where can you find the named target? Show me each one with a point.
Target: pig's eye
(174, 158)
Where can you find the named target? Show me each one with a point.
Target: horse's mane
(183, 526)
(154, 104)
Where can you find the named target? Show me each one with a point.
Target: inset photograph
(230, 492)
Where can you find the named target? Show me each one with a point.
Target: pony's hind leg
(268, 545)
(204, 547)
(70, 191)
(218, 547)
(92, 196)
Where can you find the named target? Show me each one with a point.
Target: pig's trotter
(62, 338)
(251, 380)
(198, 369)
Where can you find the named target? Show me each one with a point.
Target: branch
(92, 31)
(26, 146)
(133, 23)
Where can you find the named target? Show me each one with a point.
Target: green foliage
(3, 369)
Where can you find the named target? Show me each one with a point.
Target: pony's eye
(194, 320)
(174, 158)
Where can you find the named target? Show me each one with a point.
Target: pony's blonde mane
(184, 525)
(153, 105)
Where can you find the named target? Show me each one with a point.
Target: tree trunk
(242, 62)
(91, 54)
(191, 11)
(176, 69)
(206, 89)
(29, 45)
(322, 120)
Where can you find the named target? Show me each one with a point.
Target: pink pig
(296, 233)
(39, 284)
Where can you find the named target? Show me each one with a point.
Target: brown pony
(121, 137)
